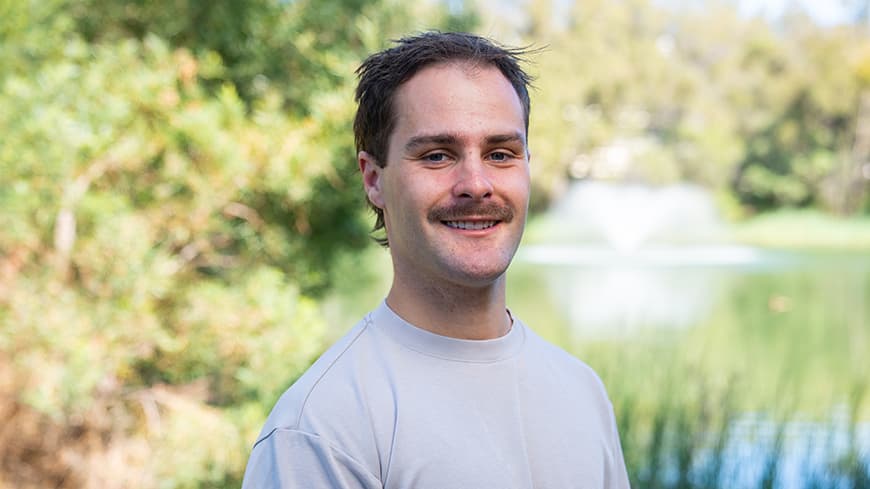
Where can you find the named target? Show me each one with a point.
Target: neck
(473, 313)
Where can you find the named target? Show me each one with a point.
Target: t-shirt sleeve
(289, 458)
(618, 476)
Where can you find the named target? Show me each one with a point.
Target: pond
(771, 347)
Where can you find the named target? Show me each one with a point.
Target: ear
(371, 176)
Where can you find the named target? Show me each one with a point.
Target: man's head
(383, 73)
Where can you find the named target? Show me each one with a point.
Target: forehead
(457, 96)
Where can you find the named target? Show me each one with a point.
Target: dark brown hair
(381, 74)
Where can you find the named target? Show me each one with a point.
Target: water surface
(778, 342)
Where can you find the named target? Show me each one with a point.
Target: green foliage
(125, 132)
(140, 249)
(297, 48)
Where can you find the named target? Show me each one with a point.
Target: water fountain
(604, 223)
(620, 257)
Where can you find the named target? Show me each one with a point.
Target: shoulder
(562, 367)
(343, 401)
(321, 385)
(569, 391)
(292, 458)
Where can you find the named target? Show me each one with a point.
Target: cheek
(421, 189)
(404, 206)
(517, 189)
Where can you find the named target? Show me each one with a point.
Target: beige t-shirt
(391, 406)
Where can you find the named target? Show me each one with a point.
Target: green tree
(809, 150)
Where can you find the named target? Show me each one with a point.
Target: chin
(478, 277)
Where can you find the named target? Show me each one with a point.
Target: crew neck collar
(445, 347)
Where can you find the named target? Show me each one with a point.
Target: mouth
(470, 225)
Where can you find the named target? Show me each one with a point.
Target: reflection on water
(606, 292)
(799, 448)
(617, 301)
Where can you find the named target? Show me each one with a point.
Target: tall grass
(705, 443)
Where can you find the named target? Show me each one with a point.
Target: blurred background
(182, 229)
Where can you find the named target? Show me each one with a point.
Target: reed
(703, 442)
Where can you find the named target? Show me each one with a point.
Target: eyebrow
(452, 139)
(426, 139)
(506, 138)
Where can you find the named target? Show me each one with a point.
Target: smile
(471, 225)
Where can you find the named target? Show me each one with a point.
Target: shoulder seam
(367, 321)
(328, 442)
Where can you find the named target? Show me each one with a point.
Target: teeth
(474, 225)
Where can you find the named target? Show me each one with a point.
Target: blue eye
(435, 157)
(499, 156)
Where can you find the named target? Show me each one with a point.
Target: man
(440, 387)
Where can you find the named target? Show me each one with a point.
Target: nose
(472, 180)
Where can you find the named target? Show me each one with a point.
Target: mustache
(486, 210)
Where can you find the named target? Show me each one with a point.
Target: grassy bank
(805, 229)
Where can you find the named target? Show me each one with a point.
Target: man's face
(455, 187)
